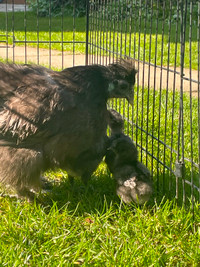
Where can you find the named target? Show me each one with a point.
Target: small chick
(136, 184)
(132, 177)
(120, 146)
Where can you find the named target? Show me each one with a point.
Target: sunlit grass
(143, 44)
(90, 226)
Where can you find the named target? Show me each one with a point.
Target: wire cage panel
(162, 37)
(29, 35)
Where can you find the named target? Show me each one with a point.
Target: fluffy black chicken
(132, 177)
(56, 119)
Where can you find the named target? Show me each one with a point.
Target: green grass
(90, 227)
(40, 30)
(136, 44)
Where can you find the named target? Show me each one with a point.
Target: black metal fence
(163, 38)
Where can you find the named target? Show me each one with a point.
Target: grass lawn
(90, 227)
(43, 30)
(136, 44)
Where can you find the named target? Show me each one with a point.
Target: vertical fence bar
(180, 154)
(50, 34)
(121, 29)
(101, 32)
(74, 29)
(13, 29)
(134, 58)
(125, 25)
(143, 76)
(138, 67)
(130, 27)
(25, 32)
(106, 32)
(114, 27)
(174, 87)
(160, 91)
(134, 38)
(95, 31)
(110, 19)
(62, 36)
(198, 42)
(154, 90)
(181, 117)
(116, 10)
(38, 35)
(7, 32)
(91, 30)
(167, 84)
(130, 4)
(117, 6)
(191, 102)
(149, 76)
(87, 32)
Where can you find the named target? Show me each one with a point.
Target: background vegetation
(46, 8)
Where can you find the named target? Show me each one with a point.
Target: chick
(132, 177)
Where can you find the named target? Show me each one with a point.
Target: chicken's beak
(129, 98)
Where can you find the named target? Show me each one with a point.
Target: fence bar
(198, 41)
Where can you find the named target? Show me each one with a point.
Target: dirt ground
(56, 59)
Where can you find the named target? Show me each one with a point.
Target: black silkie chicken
(132, 177)
(54, 119)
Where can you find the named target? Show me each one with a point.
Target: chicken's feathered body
(60, 116)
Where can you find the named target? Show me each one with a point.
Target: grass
(135, 44)
(45, 31)
(70, 228)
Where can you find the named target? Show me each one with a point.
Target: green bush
(163, 10)
(46, 8)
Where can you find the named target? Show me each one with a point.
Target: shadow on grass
(98, 196)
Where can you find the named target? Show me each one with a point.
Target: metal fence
(163, 38)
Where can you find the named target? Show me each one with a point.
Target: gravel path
(56, 59)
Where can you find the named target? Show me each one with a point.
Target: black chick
(132, 177)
